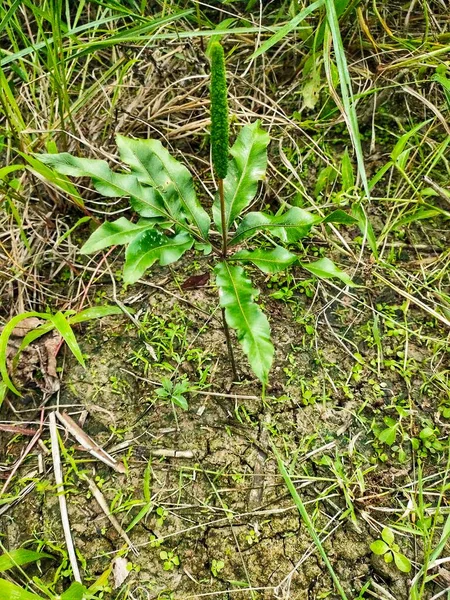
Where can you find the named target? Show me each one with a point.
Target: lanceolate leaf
(269, 261)
(237, 297)
(245, 169)
(291, 226)
(150, 246)
(340, 216)
(76, 591)
(116, 233)
(65, 330)
(20, 557)
(145, 200)
(326, 269)
(95, 312)
(4, 338)
(14, 592)
(153, 165)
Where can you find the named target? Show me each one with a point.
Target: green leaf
(3, 392)
(348, 106)
(96, 312)
(402, 141)
(326, 269)
(4, 338)
(63, 326)
(75, 592)
(269, 261)
(10, 591)
(152, 164)
(402, 563)
(388, 536)
(237, 298)
(246, 168)
(20, 557)
(365, 227)
(379, 547)
(141, 514)
(286, 29)
(145, 200)
(116, 233)
(291, 226)
(43, 171)
(341, 217)
(348, 179)
(150, 246)
(388, 435)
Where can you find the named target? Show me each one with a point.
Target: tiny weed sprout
(390, 551)
(171, 220)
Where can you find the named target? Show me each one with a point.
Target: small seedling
(174, 392)
(217, 566)
(172, 220)
(155, 542)
(162, 516)
(387, 548)
(427, 442)
(170, 559)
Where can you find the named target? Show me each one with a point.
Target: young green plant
(172, 220)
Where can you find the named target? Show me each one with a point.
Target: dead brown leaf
(36, 365)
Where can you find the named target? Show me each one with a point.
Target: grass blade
(286, 29)
(309, 525)
(17, 558)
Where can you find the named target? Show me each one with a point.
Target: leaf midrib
(249, 329)
(228, 224)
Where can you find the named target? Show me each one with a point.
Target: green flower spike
(219, 111)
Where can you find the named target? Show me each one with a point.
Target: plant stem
(229, 346)
(224, 226)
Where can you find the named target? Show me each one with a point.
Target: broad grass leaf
(94, 312)
(291, 226)
(326, 269)
(20, 557)
(151, 246)
(365, 226)
(76, 591)
(113, 233)
(348, 179)
(246, 168)
(4, 338)
(63, 326)
(286, 29)
(403, 140)
(153, 165)
(237, 297)
(269, 261)
(339, 216)
(11, 591)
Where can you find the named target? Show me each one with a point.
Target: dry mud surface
(226, 504)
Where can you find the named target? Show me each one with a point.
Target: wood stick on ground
(88, 443)
(57, 468)
(105, 508)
